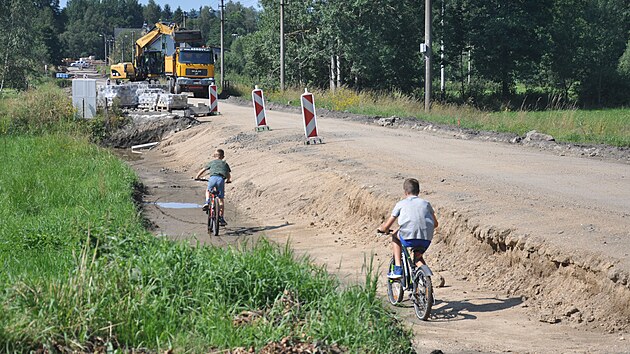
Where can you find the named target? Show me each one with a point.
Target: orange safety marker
(310, 118)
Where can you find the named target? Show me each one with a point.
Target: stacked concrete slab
(125, 95)
(172, 101)
(148, 98)
(141, 95)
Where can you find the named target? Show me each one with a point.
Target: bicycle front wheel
(395, 289)
(215, 217)
(422, 295)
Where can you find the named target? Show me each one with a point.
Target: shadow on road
(248, 231)
(464, 310)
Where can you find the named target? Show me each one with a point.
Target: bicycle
(212, 211)
(414, 279)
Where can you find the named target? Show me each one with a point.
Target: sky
(188, 4)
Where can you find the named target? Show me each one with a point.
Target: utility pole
(281, 45)
(133, 46)
(110, 44)
(469, 63)
(427, 55)
(222, 50)
(442, 66)
(122, 49)
(105, 47)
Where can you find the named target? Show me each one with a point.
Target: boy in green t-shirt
(219, 173)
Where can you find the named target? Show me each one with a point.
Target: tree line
(40, 32)
(540, 53)
(537, 52)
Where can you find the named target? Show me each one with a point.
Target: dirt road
(533, 246)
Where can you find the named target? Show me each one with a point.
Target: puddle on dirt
(126, 154)
(175, 205)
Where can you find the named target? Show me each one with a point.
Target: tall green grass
(79, 270)
(611, 126)
(38, 111)
(53, 188)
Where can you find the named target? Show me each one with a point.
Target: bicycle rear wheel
(395, 289)
(215, 217)
(422, 296)
(210, 221)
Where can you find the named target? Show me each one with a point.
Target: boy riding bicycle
(220, 173)
(417, 222)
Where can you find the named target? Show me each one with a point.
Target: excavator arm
(157, 30)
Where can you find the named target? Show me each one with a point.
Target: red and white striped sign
(310, 117)
(212, 90)
(259, 107)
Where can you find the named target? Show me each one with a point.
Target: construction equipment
(123, 71)
(167, 51)
(190, 70)
(148, 58)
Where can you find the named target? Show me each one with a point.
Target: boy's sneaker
(222, 221)
(396, 273)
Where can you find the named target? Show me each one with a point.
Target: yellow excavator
(148, 58)
(167, 51)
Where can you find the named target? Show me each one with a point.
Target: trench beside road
(527, 236)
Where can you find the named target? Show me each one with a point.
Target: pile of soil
(147, 127)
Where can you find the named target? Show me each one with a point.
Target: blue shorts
(219, 183)
(417, 245)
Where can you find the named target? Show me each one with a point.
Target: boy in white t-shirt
(417, 222)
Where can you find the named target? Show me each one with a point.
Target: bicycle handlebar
(388, 232)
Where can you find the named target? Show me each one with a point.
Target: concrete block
(125, 94)
(172, 101)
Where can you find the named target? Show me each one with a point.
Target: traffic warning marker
(310, 119)
(258, 99)
(212, 93)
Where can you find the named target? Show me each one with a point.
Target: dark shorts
(417, 245)
(219, 183)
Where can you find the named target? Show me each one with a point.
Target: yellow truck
(190, 69)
